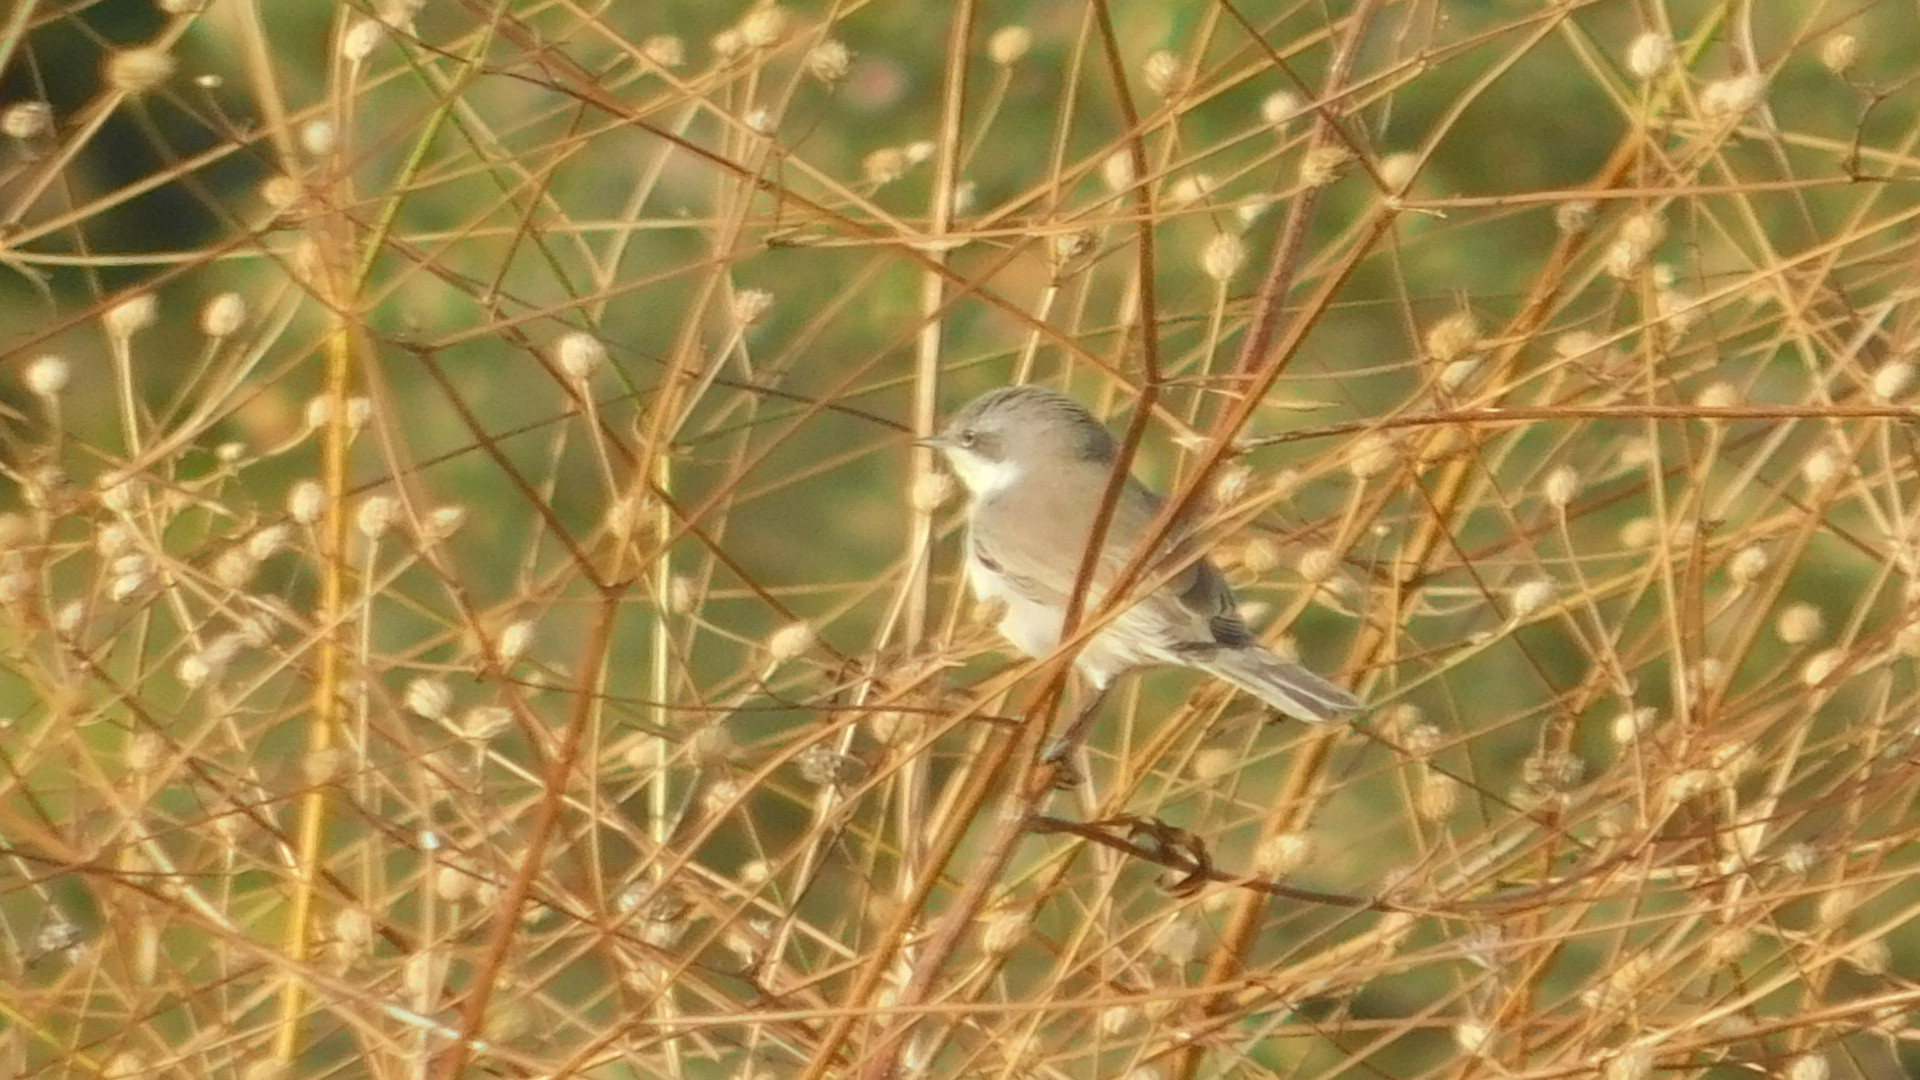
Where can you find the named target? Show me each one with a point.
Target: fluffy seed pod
(1008, 44)
(136, 71)
(580, 354)
(1838, 52)
(1649, 55)
(223, 315)
(1280, 108)
(664, 51)
(1165, 74)
(830, 61)
(47, 376)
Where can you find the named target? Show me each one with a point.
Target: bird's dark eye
(968, 436)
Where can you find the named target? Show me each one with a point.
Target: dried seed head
(280, 192)
(1645, 229)
(361, 39)
(1649, 54)
(1453, 337)
(823, 766)
(1798, 623)
(1190, 189)
(580, 354)
(1529, 597)
(1892, 380)
(1835, 905)
(120, 493)
(1748, 564)
(1282, 854)
(1634, 723)
(1372, 454)
(515, 640)
(26, 120)
(1165, 74)
(1822, 466)
(136, 71)
(429, 699)
(144, 752)
(1438, 796)
(1822, 665)
(681, 597)
(1322, 165)
(452, 884)
(1117, 171)
(377, 515)
(1553, 771)
(1223, 257)
(47, 376)
(621, 516)
(1473, 1037)
(1280, 108)
(1008, 44)
(1718, 395)
(443, 521)
(884, 165)
(790, 641)
(319, 137)
(306, 500)
(1733, 97)
(830, 61)
(223, 315)
(765, 26)
(267, 542)
(728, 43)
(130, 316)
(1116, 1020)
(751, 305)
(1214, 763)
(1838, 52)
(1458, 374)
(1870, 956)
(1575, 215)
(353, 926)
(1421, 739)
(1808, 1067)
(1069, 246)
(1562, 486)
(1317, 565)
(710, 746)
(1398, 170)
(664, 51)
(359, 413)
(483, 722)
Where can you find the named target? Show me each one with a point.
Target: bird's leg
(1060, 751)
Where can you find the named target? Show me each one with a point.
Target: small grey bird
(1036, 464)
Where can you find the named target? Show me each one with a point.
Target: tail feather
(1283, 684)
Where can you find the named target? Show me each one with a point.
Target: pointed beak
(934, 442)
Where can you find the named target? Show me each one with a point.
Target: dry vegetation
(471, 605)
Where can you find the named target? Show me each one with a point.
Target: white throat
(984, 478)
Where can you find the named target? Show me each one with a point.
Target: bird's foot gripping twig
(1063, 749)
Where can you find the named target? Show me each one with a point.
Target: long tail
(1282, 684)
